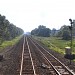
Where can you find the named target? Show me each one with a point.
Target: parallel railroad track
(31, 61)
(36, 60)
(58, 67)
(27, 65)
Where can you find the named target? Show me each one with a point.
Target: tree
(64, 32)
(53, 32)
(2, 28)
(8, 31)
(66, 35)
(41, 31)
(34, 32)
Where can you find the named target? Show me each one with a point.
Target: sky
(29, 14)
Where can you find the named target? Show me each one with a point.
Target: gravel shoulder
(11, 56)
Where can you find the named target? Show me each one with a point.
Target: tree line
(41, 31)
(64, 32)
(8, 31)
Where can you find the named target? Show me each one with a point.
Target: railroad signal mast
(70, 27)
(68, 50)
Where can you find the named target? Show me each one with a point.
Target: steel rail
(22, 57)
(31, 57)
(46, 59)
(21, 67)
(56, 59)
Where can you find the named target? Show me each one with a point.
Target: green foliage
(64, 32)
(1, 40)
(53, 32)
(8, 31)
(41, 31)
(54, 43)
(66, 35)
(9, 43)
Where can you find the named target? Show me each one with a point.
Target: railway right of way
(36, 60)
(58, 66)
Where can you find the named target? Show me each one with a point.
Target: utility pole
(71, 22)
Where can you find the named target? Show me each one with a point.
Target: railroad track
(57, 67)
(27, 65)
(35, 60)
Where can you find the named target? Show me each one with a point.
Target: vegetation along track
(35, 60)
(58, 67)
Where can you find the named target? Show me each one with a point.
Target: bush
(66, 35)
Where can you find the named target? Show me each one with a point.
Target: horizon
(29, 14)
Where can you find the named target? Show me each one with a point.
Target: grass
(56, 44)
(9, 43)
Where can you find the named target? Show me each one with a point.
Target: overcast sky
(28, 14)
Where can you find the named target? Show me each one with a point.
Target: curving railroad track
(36, 60)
